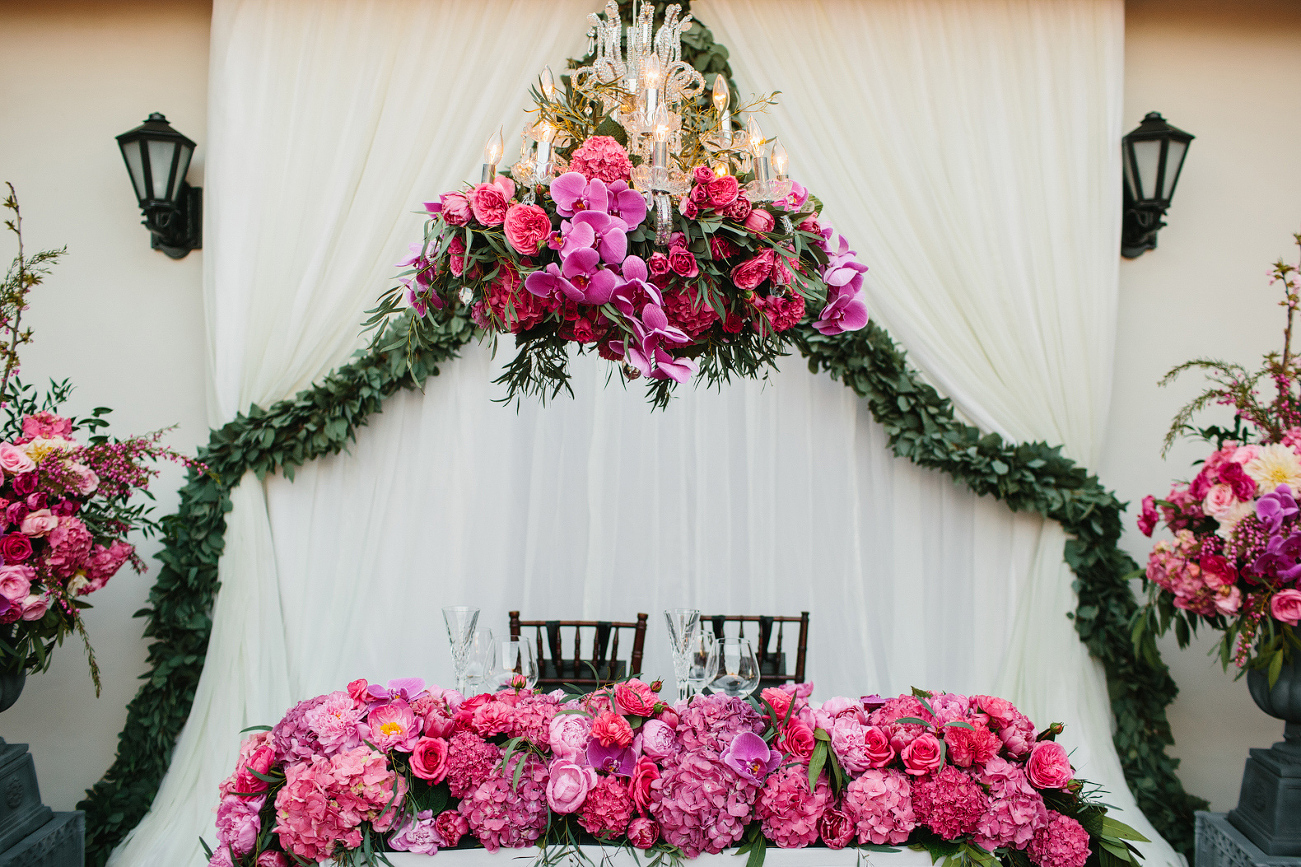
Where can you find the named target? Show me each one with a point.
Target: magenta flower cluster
(355, 768)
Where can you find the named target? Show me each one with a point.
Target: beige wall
(1229, 73)
(126, 322)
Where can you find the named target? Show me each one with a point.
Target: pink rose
(455, 208)
(722, 191)
(16, 582)
(527, 227)
(759, 222)
(611, 729)
(796, 740)
(1147, 517)
(86, 480)
(1228, 600)
(15, 548)
(682, 262)
(658, 740)
(835, 828)
(749, 274)
(1286, 606)
(14, 460)
(357, 692)
(922, 755)
(451, 827)
(35, 606)
(1049, 767)
(272, 859)
(643, 832)
(639, 785)
(780, 701)
(489, 201)
(658, 264)
(738, 210)
(636, 698)
(39, 523)
(689, 209)
(702, 174)
(456, 256)
(879, 751)
(568, 785)
(1219, 501)
(429, 759)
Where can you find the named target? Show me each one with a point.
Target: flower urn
(1269, 805)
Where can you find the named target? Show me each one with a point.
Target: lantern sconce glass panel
(157, 158)
(1153, 156)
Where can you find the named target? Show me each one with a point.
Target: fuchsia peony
(238, 823)
(418, 834)
(568, 785)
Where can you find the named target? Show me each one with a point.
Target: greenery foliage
(920, 425)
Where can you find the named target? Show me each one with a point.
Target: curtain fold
(968, 150)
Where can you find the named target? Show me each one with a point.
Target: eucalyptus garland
(920, 426)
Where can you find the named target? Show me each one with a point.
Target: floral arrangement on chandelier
(1235, 559)
(65, 509)
(637, 222)
(401, 767)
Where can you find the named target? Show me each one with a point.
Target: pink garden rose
(1286, 606)
(527, 227)
(643, 832)
(611, 729)
(721, 192)
(16, 582)
(682, 262)
(39, 523)
(489, 201)
(922, 756)
(14, 460)
(429, 759)
(568, 785)
(1049, 767)
(636, 698)
(455, 208)
(35, 606)
(751, 273)
(759, 222)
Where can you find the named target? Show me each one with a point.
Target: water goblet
(480, 660)
(683, 623)
(702, 660)
(738, 668)
(516, 666)
(461, 621)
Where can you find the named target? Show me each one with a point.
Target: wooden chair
(772, 661)
(603, 664)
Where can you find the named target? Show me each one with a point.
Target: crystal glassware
(738, 668)
(683, 624)
(480, 660)
(516, 665)
(461, 621)
(702, 659)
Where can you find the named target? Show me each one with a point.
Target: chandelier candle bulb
(492, 151)
(721, 99)
(651, 74)
(546, 133)
(780, 161)
(548, 85)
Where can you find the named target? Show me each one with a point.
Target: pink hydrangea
(504, 813)
(324, 801)
(470, 761)
(607, 809)
(700, 804)
(70, 544)
(335, 721)
(790, 813)
(292, 737)
(1016, 810)
(1061, 842)
(601, 157)
(950, 803)
(46, 425)
(238, 823)
(533, 716)
(879, 803)
(710, 723)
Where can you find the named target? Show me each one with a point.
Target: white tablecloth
(611, 857)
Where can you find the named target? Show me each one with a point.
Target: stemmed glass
(684, 623)
(461, 621)
(702, 659)
(515, 664)
(480, 661)
(738, 668)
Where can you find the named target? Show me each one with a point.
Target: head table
(610, 856)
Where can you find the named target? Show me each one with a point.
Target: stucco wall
(126, 323)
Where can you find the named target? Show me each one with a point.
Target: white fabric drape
(968, 150)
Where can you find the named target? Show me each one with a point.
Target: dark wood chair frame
(769, 659)
(604, 654)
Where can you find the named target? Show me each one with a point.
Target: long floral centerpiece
(1234, 560)
(404, 767)
(637, 223)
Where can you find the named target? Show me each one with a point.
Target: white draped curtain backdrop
(968, 149)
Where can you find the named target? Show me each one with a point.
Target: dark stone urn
(1269, 806)
(31, 834)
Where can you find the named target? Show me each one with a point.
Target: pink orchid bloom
(595, 229)
(634, 291)
(574, 194)
(580, 278)
(626, 204)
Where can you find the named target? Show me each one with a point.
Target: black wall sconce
(158, 157)
(1153, 154)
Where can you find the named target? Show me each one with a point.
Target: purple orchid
(626, 204)
(580, 278)
(613, 759)
(634, 291)
(405, 688)
(846, 308)
(872, 702)
(1275, 506)
(574, 194)
(750, 757)
(595, 229)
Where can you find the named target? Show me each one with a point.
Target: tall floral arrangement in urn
(66, 492)
(1232, 559)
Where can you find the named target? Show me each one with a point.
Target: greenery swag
(920, 425)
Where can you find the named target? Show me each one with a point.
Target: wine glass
(702, 659)
(480, 660)
(461, 621)
(515, 664)
(738, 668)
(683, 623)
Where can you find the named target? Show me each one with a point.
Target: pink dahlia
(701, 805)
(603, 158)
(949, 802)
(1016, 811)
(879, 803)
(790, 813)
(710, 723)
(508, 814)
(1061, 842)
(470, 761)
(608, 808)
